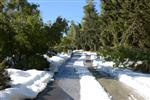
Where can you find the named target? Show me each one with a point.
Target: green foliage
(4, 77)
(125, 55)
(23, 35)
(64, 46)
(58, 28)
(33, 62)
(125, 34)
(120, 33)
(19, 24)
(126, 22)
(89, 32)
(71, 40)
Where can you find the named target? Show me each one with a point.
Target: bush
(64, 47)
(4, 77)
(33, 62)
(51, 52)
(124, 55)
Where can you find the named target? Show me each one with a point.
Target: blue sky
(69, 9)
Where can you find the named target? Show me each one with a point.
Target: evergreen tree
(74, 35)
(58, 28)
(89, 34)
(77, 33)
(70, 40)
(23, 33)
(125, 29)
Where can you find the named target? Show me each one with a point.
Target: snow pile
(79, 51)
(90, 87)
(64, 55)
(56, 61)
(138, 81)
(27, 84)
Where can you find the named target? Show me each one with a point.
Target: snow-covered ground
(90, 87)
(57, 61)
(27, 84)
(140, 82)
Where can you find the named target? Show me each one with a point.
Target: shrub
(62, 48)
(4, 77)
(33, 62)
(51, 52)
(124, 55)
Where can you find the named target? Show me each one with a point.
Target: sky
(69, 9)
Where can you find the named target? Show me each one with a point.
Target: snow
(27, 84)
(90, 87)
(53, 59)
(79, 51)
(64, 55)
(138, 81)
(57, 61)
(24, 77)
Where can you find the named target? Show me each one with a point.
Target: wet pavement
(66, 85)
(116, 89)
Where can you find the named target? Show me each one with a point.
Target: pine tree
(78, 40)
(89, 25)
(23, 33)
(58, 28)
(125, 29)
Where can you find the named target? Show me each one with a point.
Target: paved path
(66, 85)
(116, 89)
